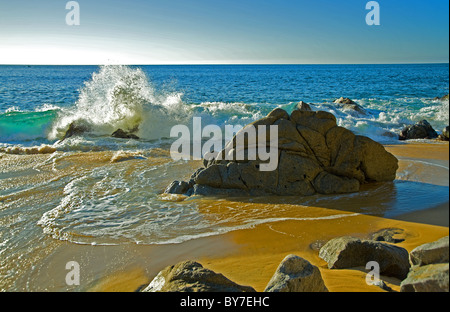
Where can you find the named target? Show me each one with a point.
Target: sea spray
(121, 97)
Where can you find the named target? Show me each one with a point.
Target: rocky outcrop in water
(349, 105)
(314, 156)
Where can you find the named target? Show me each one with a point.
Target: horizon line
(217, 64)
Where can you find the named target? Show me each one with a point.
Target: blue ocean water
(37, 103)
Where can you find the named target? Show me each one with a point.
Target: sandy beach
(250, 256)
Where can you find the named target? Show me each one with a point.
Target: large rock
(314, 156)
(420, 130)
(428, 278)
(431, 253)
(347, 252)
(295, 274)
(190, 276)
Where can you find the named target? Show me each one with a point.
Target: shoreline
(250, 256)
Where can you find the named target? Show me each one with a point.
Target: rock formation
(314, 156)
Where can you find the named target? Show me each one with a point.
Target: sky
(223, 32)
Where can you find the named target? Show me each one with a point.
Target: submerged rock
(420, 130)
(190, 276)
(314, 156)
(387, 235)
(295, 274)
(347, 252)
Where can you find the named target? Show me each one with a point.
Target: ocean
(96, 190)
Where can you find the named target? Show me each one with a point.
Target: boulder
(420, 130)
(431, 253)
(295, 274)
(190, 276)
(347, 252)
(427, 278)
(314, 156)
(121, 134)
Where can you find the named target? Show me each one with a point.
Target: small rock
(190, 276)
(177, 187)
(295, 274)
(347, 252)
(428, 278)
(387, 235)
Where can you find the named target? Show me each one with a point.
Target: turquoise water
(37, 103)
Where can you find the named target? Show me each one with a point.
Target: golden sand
(257, 251)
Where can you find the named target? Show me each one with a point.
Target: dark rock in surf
(75, 129)
(420, 130)
(119, 133)
(349, 105)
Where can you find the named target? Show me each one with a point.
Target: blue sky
(223, 31)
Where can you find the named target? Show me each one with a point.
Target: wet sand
(250, 256)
